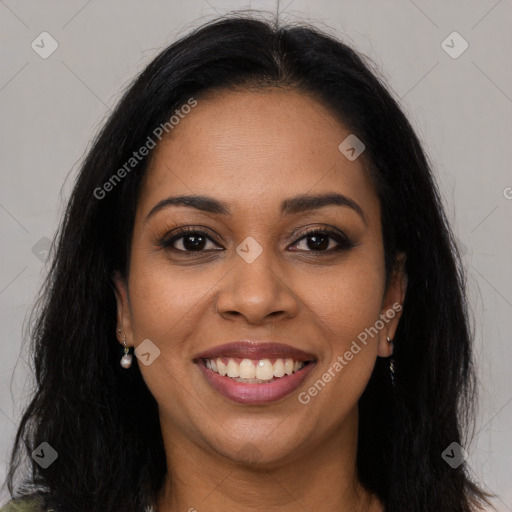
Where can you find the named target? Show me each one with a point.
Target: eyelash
(344, 242)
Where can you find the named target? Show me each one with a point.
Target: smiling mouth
(254, 371)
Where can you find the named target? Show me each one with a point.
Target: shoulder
(23, 505)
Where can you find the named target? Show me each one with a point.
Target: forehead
(254, 148)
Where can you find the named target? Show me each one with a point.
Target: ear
(124, 321)
(392, 306)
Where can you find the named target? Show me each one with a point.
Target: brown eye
(190, 240)
(321, 241)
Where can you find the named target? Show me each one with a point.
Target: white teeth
(278, 368)
(221, 367)
(263, 370)
(233, 368)
(247, 369)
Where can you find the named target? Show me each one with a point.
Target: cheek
(346, 299)
(166, 303)
(163, 296)
(345, 314)
(346, 306)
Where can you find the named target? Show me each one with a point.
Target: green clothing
(26, 505)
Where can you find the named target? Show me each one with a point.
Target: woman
(258, 224)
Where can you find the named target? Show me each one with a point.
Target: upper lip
(255, 350)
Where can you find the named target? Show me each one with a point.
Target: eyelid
(303, 231)
(169, 238)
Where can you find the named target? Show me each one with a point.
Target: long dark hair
(103, 421)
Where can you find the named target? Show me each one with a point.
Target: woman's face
(254, 274)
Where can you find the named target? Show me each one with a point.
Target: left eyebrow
(290, 206)
(306, 202)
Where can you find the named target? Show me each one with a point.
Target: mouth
(255, 373)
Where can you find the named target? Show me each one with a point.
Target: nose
(256, 292)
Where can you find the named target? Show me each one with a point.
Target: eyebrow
(290, 206)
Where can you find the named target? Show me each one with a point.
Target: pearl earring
(126, 360)
(391, 361)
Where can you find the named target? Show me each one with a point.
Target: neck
(202, 480)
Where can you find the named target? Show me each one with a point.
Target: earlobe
(393, 306)
(385, 346)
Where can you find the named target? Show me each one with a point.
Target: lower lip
(253, 394)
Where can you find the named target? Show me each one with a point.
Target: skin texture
(252, 150)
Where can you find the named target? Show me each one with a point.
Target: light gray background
(461, 108)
